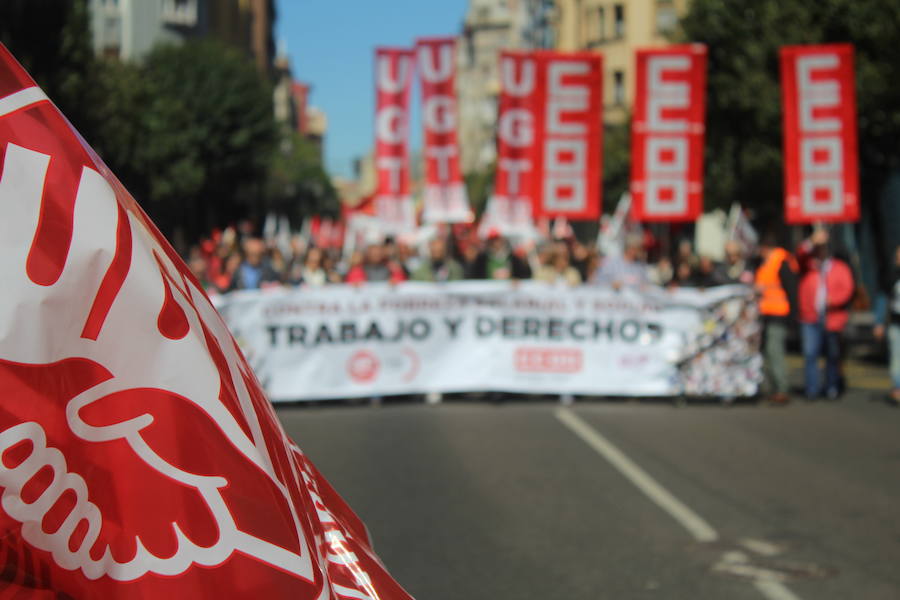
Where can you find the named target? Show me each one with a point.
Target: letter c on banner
(440, 114)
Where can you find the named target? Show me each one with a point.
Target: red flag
(445, 193)
(509, 208)
(821, 180)
(140, 456)
(569, 135)
(668, 133)
(393, 199)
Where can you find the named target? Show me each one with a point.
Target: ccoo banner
(820, 139)
(569, 138)
(445, 192)
(345, 341)
(393, 79)
(668, 133)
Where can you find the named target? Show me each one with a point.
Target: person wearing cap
(626, 271)
(776, 284)
(824, 294)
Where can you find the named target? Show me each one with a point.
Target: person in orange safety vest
(776, 284)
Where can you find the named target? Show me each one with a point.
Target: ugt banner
(445, 192)
(569, 135)
(393, 80)
(820, 141)
(509, 208)
(467, 336)
(140, 457)
(667, 134)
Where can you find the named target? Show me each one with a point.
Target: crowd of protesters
(809, 286)
(229, 261)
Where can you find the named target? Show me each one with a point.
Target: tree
(479, 187)
(52, 40)
(743, 132)
(206, 134)
(297, 184)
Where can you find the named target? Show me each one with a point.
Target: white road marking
(684, 515)
(761, 547)
(694, 523)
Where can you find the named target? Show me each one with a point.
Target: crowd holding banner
(471, 336)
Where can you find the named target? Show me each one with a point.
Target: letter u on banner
(393, 79)
(569, 135)
(667, 133)
(821, 182)
(445, 193)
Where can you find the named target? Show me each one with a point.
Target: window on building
(666, 17)
(619, 87)
(619, 14)
(180, 12)
(596, 24)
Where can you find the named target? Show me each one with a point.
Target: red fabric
(445, 195)
(839, 287)
(141, 459)
(393, 78)
(516, 181)
(668, 133)
(569, 135)
(821, 182)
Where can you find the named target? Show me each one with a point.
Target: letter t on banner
(667, 134)
(393, 201)
(445, 193)
(820, 145)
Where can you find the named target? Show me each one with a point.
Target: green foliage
(743, 152)
(479, 187)
(51, 38)
(616, 163)
(207, 129)
(297, 184)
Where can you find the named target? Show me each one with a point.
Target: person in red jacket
(824, 293)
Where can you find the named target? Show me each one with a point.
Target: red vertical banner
(667, 134)
(509, 208)
(445, 192)
(393, 80)
(820, 139)
(300, 92)
(569, 160)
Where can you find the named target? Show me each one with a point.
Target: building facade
(616, 28)
(129, 29)
(490, 26)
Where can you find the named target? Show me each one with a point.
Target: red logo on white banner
(668, 133)
(445, 193)
(820, 138)
(569, 135)
(393, 81)
(140, 456)
(509, 208)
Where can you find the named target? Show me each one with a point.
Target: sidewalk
(860, 375)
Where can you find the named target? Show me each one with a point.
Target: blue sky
(332, 43)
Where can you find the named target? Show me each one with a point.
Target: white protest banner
(345, 341)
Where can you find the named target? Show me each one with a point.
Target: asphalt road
(530, 500)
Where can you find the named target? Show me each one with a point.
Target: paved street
(620, 500)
